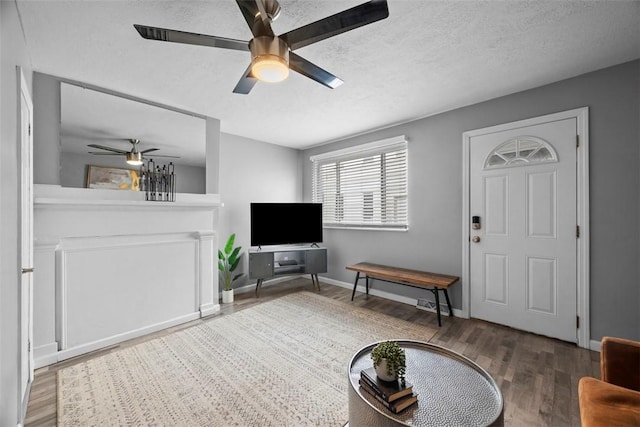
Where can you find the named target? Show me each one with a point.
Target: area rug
(279, 363)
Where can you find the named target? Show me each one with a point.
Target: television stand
(285, 261)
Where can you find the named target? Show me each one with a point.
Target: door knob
(475, 239)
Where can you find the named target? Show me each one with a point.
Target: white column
(208, 273)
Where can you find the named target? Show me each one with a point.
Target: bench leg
(367, 284)
(446, 295)
(355, 284)
(435, 291)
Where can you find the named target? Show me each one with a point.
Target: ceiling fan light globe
(269, 59)
(270, 68)
(134, 159)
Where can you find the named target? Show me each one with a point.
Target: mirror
(93, 117)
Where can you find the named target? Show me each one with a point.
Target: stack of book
(393, 395)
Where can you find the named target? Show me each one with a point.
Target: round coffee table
(452, 390)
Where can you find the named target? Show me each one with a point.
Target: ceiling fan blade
(105, 154)
(308, 69)
(341, 22)
(246, 82)
(148, 150)
(166, 35)
(251, 9)
(173, 157)
(102, 147)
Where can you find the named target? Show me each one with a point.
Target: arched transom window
(521, 151)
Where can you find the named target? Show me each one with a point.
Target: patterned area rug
(280, 363)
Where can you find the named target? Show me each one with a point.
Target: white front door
(522, 258)
(26, 242)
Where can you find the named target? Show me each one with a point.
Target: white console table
(110, 266)
(287, 260)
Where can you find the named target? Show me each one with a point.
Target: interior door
(523, 195)
(26, 242)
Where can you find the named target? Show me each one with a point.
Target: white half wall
(112, 266)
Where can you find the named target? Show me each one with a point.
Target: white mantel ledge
(46, 194)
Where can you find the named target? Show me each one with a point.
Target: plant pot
(227, 296)
(381, 372)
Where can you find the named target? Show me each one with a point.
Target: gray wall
(434, 240)
(253, 171)
(46, 129)
(73, 171)
(13, 52)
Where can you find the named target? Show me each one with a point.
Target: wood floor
(538, 376)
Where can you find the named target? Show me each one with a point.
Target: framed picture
(113, 178)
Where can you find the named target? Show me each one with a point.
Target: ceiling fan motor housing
(134, 157)
(269, 58)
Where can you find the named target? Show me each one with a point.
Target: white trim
(45, 354)
(207, 280)
(582, 212)
(344, 210)
(594, 345)
(56, 195)
(582, 192)
(61, 297)
(209, 309)
(23, 144)
(362, 148)
(115, 339)
(404, 229)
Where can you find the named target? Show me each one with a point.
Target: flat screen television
(285, 223)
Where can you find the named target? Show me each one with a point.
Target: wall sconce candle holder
(158, 183)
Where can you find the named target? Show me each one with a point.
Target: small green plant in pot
(389, 361)
(228, 261)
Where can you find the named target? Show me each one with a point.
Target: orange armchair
(613, 400)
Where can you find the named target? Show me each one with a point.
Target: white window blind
(363, 186)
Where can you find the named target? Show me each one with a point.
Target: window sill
(364, 228)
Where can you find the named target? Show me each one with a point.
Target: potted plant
(389, 361)
(228, 261)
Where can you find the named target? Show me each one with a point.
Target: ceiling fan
(134, 157)
(271, 55)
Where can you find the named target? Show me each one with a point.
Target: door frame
(582, 210)
(24, 95)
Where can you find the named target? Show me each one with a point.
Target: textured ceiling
(427, 57)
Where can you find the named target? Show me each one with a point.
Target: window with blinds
(363, 186)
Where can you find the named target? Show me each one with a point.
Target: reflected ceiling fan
(134, 157)
(272, 56)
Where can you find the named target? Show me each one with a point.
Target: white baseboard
(45, 355)
(209, 309)
(594, 345)
(96, 345)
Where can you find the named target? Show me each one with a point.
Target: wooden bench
(432, 282)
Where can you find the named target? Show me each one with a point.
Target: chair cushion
(604, 404)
